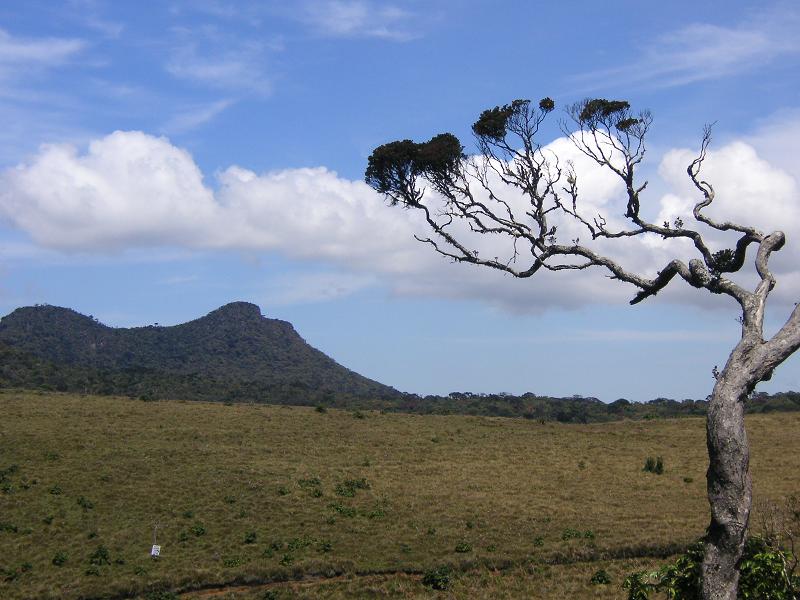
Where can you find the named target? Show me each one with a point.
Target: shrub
(654, 465)
(438, 578)
(161, 595)
(85, 503)
(463, 547)
(250, 537)
(762, 575)
(345, 511)
(286, 560)
(198, 529)
(600, 578)
(9, 527)
(100, 557)
(59, 559)
(321, 409)
(348, 487)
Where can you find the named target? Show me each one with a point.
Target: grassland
(340, 505)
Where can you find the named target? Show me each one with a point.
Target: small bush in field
(438, 578)
(100, 556)
(463, 547)
(600, 578)
(654, 465)
(59, 559)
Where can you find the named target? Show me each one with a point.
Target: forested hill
(231, 354)
(234, 354)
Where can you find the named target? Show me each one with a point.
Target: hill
(234, 354)
(231, 354)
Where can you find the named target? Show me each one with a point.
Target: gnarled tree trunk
(729, 487)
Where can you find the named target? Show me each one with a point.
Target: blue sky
(159, 162)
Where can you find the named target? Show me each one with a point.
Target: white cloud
(357, 18)
(193, 117)
(21, 53)
(702, 51)
(133, 190)
(208, 58)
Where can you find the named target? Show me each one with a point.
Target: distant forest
(234, 354)
(22, 370)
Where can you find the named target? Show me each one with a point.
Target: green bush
(654, 465)
(438, 578)
(161, 595)
(100, 557)
(600, 578)
(59, 559)
(762, 575)
(463, 547)
(348, 487)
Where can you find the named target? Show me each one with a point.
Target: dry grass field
(341, 505)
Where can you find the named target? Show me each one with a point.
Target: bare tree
(480, 195)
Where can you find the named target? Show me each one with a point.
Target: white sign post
(155, 551)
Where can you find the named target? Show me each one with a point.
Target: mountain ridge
(232, 353)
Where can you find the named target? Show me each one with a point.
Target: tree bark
(729, 484)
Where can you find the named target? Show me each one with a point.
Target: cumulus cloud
(130, 190)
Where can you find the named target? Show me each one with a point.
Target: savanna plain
(255, 501)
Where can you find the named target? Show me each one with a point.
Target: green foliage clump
(59, 558)
(8, 527)
(197, 529)
(161, 595)
(724, 261)
(600, 578)
(463, 547)
(233, 561)
(493, 122)
(85, 503)
(438, 578)
(345, 511)
(599, 108)
(654, 465)
(392, 168)
(100, 556)
(348, 487)
(763, 575)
